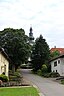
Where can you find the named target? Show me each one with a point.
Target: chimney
(54, 46)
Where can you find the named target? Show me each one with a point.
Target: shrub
(10, 72)
(62, 81)
(17, 74)
(15, 77)
(46, 75)
(44, 68)
(12, 78)
(54, 74)
(4, 78)
(39, 72)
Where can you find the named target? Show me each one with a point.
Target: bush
(54, 74)
(15, 77)
(39, 72)
(46, 75)
(62, 81)
(44, 68)
(4, 78)
(10, 72)
(17, 74)
(12, 78)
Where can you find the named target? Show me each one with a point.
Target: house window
(58, 61)
(55, 63)
(56, 70)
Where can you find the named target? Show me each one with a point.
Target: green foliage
(4, 78)
(54, 74)
(44, 68)
(62, 82)
(14, 41)
(40, 53)
(43, 71)
(16, 76)
(54, 54)
(16, 73)
(39, 72)
(46, 75)
(10, 72)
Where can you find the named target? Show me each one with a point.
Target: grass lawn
(23, 91)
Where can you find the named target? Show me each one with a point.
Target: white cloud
(46, 17)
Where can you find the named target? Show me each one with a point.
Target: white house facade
(57, 65)
(4, 62)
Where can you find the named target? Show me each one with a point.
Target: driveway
(45, 85)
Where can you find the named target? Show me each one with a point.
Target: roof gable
(61, 56)
(4, 53)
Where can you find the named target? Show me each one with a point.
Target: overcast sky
(45, 16)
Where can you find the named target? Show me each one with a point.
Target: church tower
(31, 38)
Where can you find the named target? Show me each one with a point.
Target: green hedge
(4, 78)
(47, 75)
(54, 74)
(62, 82)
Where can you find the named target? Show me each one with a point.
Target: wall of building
(4, 65)
(62, 66)
(58, 67)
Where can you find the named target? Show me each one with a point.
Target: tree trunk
(13, 68)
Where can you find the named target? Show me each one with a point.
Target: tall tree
(14, 42)
(40, 53)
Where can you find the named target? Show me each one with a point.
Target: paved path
(46, 86)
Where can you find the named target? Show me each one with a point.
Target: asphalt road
(46, 86)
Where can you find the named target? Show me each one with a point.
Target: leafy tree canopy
(40, 53)
(15, 43)
(55, 54)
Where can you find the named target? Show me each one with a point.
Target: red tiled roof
(61, 50)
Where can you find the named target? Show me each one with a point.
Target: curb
(40, 94)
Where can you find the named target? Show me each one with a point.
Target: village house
(57, 64)
(4, 62)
